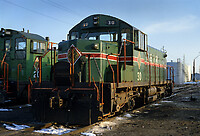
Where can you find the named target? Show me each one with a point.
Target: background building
(182, 72)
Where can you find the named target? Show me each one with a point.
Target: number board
(111, 22)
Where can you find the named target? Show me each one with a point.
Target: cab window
(20, 47)
(125, 34)
(104, 36)
(109, 37)
(74, 35)
(142, 45)
(136, 37)
(35, 46)
(7, 45)
(20, 44)
(140, 40)
(38, 47)
(42, 47)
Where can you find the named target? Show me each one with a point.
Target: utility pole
(194, 70)
(194, 67)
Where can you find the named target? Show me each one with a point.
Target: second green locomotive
(20, 54)
(105, 67)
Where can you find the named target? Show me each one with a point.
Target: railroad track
(79, 130)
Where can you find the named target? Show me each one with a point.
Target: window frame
(5, 48)
(39, 45)
(103, 36)
(17, 50)
(141, 41)
(74, 35)
(16, 45)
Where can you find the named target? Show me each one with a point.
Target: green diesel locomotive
(105, 67)
(20, 55)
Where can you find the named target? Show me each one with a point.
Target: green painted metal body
(106, 66)
(99, 65)
(145, 65)
(22, 48)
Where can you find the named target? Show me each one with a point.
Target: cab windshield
(105, 36)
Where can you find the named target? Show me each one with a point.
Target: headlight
(95, 46)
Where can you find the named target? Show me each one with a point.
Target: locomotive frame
(105, 67)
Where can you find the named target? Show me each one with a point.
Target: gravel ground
(178, 115)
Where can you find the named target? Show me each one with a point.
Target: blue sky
(174, 24)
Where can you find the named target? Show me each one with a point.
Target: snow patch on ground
(102, 127)
(106, 125)
(156, 104)
(6, 109)
(119, 118)
(136, 112)
(28, 105)
(166, 101)
(88, 134)
(170, 96)
(127, 115)
(191, 83)
(6, 101)
(55, 130)
(15, 126)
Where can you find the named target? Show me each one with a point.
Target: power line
(36, 12)
(61, 7)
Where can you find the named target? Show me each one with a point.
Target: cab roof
(101, 21)
(25, 34)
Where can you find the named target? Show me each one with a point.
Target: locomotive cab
(101, 38)
(18, 52)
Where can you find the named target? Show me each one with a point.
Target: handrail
(89, 73)
(125, 40)
(32, 68)
(89, 70)
(3, 59)
(129, 41)
(124, 55)
(5, 75)
(19, 68)
(149, 68)
(40, 70)
(96, 88)
(38, 57)
(48, 50)
(112, 71)
(97, 68)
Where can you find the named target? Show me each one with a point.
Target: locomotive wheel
(139, 102)
(131, 104)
